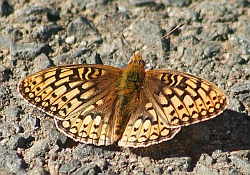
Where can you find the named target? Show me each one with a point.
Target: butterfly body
(129, 86)
(103, 105)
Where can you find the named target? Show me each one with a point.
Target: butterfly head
(137, 61)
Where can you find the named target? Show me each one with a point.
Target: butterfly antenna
(111, 22)
(173, 30)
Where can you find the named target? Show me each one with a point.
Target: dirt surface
(214, 44)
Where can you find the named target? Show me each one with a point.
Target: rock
(240, 163)
(202, 169)
(70, 167)
(44, 32)
(39, 148)
(5, 8)
(83, 30)
(11, 161)
(179, 3)
(27, 51)
(70, 40)
(88, 169)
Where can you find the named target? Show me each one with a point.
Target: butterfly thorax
(129, 87)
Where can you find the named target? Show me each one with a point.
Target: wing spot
(37, 99)
(164, 132)
(62, 112)
(185, 118)
(27, 89)
(208, 102)
(203, 112)
(180, 107)
(218, 106)
(69, 105)
(191, 106)
(73, 130)
(195, 114)
(172, 112)
(175, 120)
(31, 95)
(64, 98)
(66, 124)
(54, 95)
(211, 110)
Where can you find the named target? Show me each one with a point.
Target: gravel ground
(213, 44)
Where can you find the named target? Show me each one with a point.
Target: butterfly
(104, 105)
(131, 107)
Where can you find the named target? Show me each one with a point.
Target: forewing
(145, 126)
(182, 99)
(79, 97)
(65, 91)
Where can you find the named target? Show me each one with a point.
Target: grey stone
(202, 169)
(88, 169)
(44, 32)
(206, 159)
(243, 87)
(200, 133)
(220, 156)
(34, 13)
(4, 99)
(70, 167)
(38, 149)
(82, 151)
(218, 32)
(244, 165)
(180, 164)
(148, 32)
(82, 29)
(236, 59)
(217, 11)
(57, 137)
(9, 128)
(5, 8)
(210, 49)
(158, 170)
(54, 150)
(141, 2)
(10, 160)
(29, 122)
(5, 42)
(242, 43)
(70, 40)
(17, 141)
(95, 58)
(70, 57)
(28, 51)
(5, 73)
(12, 112)
(81, 4)
(41, 62)
(179, 3)
(38, 170)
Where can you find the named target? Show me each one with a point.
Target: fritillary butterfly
(131, 107)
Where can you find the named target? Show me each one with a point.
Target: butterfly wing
(182, 99)
(167, 101)
(63, 91)
(93, 125)
(146, 126)
(78, 97)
